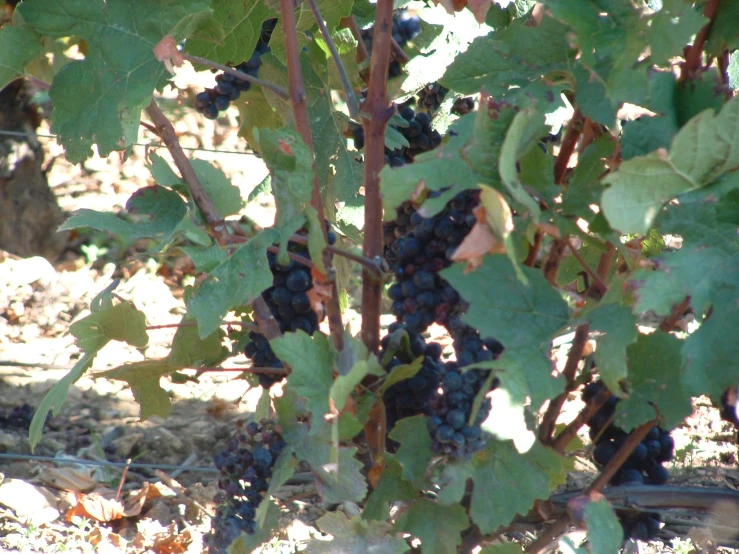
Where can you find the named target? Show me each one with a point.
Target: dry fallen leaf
(479, 8)
(96, 506)
(36, 505)
(166, 52)
(68, 479)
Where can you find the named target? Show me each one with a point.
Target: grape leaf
(617, 328)
(99, 99)
(227, 285)
(645, 135)
(225, 196)
(439, 527)
(414, 453)
(162, 172)
(355, 536)
(144, 379)
(723, 34)
(704, 149)
(516, 55)
(702, 91)
(503, 310)
(343, 385)
(706, 269)
(256, 112)
(231, 34)
(390, 488)
(506, 483)
(489, 132)
(206, 259)
(605, 534)
(401, 373)
(655, 378)
(122, 322)
(291, 165)
(20, 45)
(311, 363)
(438, 169)
(671, 29)
(189, 350)
(156, 213)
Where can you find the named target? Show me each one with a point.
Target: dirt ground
(55, 508)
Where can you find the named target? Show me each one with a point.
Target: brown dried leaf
(136, 500)
(477, 243)
(97, 507)
(68, 479)
(166, 52)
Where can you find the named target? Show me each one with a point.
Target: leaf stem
(574, 129)
(568, 433)
(694, 56)
(302, 124)
(585, 266)
(668, 323)
(370, 265)
(265, 319)
(597, 288)
(351, 23)
(279, 91)
(551, 265)
(351, 99)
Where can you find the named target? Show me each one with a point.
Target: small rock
(9, 442)
(125, 444)
(36, 505)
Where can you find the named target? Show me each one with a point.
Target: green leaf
(225, 196)
(162, 172)
(605, 534)
(56, 397)
(390, 488)
(525, 129)
(144, 379)
(311, 363)
(316, 242)
(156, 213)
(655, 378)
(255, 111)
(723, 34)
(414, 453)
(503, 310)
(489, 132)
(703, 91)
(99, 99)
(283, 469)
(189, 350)
(206, 259)
(504, 548)
(439, 527)
(401, 373)
(264, 406)
(671, 29)
(343, 385)
(122, 322)
(231, 35)
(506, 483)
(227, 286)
(584, 187)
(515, 55)
(645, 135)
(291, 165)
(19, 45)
(441, 168)
(617, 330)
(355, 536)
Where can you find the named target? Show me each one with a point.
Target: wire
(133, 465)
(145, 144)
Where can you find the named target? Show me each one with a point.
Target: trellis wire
(121, 465)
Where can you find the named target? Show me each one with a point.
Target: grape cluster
(245, 468)
(730, 406)
(228, 87)
(419, 295)
(451, 409)
(643, 466)
(291, 306)
(431, 96)
(419, 134)
(405, 28)
(411, 396)
(468, 345)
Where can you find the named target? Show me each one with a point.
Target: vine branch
(263, 315)
(694, 55)
(302, 124)
(569, 142)
(351, 99)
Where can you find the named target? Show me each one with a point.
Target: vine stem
(668, 323)
(555, 405)
(351, 99)
(568, 433)
(564, 522)
(574, 129)
(302, 124)
(585, 266)
(351, 24)
(694, 56)
(262, 313)
(380, 112)
(605, 263)
(370, 265)
(244, 324)
(279, 91)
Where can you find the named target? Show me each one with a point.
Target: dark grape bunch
(419, 295)
(730, 406)
(411, 396)
(451, 408)
(245, 468)
(468, 345)
(405, 28)
(229, 88)
(419, 134)
(290, 304)
(431, 96)
(644, 466)
(463, 106)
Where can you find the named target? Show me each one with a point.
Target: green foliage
(657, 189)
